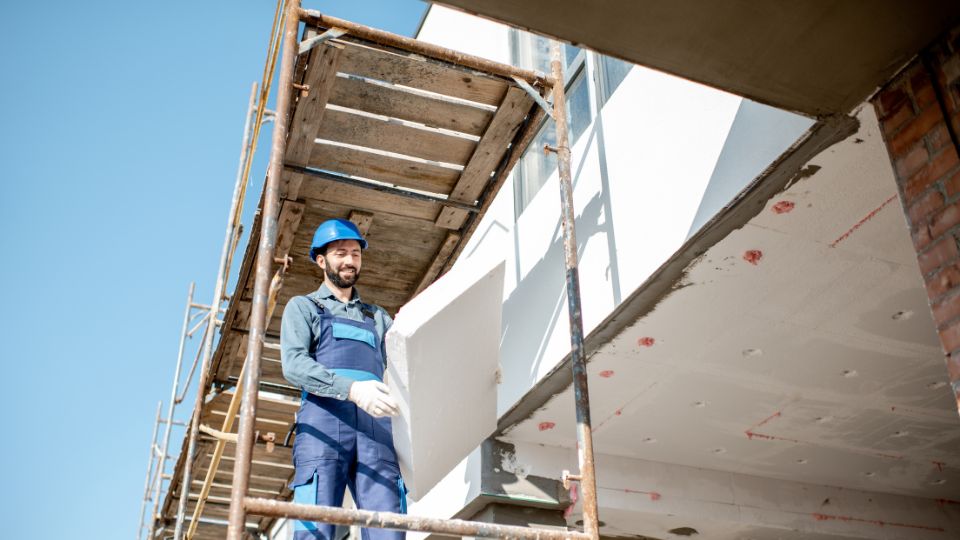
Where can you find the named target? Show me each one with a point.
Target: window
(611, 73)
(533, 52)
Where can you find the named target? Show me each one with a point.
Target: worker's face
(341, 263)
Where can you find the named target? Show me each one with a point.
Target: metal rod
(174, 390)
(588, 484)
(207, 347)
(146, 481)
(437, 52)
(402, 522)
(264, 265)
(308, 44)
(193, 368)
(547, 107)
(382, 188)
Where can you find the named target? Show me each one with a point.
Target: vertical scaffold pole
(264, 267)
(587, 478)
(161, 462)
(146, 482)
(223, 275)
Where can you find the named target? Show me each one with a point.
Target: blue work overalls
(338, 444)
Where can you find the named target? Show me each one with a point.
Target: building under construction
(767, 261)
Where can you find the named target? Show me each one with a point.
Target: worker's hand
(373, 397)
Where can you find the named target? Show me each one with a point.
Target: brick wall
(926, 164)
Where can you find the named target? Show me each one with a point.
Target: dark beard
(335, 278)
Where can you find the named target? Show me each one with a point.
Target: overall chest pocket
(344, 331)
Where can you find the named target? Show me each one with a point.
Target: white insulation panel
(443, 354)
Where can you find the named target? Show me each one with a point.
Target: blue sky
(121, 130)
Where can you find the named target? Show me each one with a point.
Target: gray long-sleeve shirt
(300, 332)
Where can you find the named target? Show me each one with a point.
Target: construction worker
(332, 349)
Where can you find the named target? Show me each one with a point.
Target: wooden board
(316, 190)
(320, 76)
(393, 136)
(418, 72)
(395, 102)
(409, 173)
(490, 151)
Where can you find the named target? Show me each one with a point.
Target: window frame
(576, 72)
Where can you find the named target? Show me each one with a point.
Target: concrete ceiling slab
(813, 360)
(809, 56)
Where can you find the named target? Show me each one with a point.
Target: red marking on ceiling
(939, 465)
(877, 522)
(546, 425)
(763, 422)
(865, 219)
(618, 412)
(654, 496)
(606, 374)
(646, 342)
(751, 434)
(753, 256)
(945, 502)
(783, 207)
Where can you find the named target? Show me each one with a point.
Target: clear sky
(121, 129)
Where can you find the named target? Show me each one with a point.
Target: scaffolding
(380, 129)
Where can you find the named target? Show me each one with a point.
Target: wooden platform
(413, 150)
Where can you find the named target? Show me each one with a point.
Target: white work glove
(373, 397)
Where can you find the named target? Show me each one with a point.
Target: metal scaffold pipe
(146, 482)
(403, 522)
(264, 267)
(207, 347)
(587, 478)
(170, 409)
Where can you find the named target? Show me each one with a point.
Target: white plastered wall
(639, 173)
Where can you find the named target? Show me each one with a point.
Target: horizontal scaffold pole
(402, 522)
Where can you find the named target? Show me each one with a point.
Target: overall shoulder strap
(317, 303)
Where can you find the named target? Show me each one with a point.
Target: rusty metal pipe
(206, 348)
(402, 522)
(437, 52)
(146, 481)
(171, 407)
(588, 483)
(264, 266)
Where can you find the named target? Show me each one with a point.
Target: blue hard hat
(333, 230)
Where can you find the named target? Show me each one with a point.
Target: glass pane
(578, 108)
(536, 165)
(531, 51)
(612, 73)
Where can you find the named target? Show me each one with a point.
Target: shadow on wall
(531, 312)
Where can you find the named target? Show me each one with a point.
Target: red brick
(923, 207)
(938, 137)
(909, 164)
(925, 97)
(940, 165)
(952, 186)
(921, 237)
(950, 337)
(889, 100)
(943, 251)
(943, 281)
(915, 130)
(953, 366)
(946, 310)
(945, 220)
(897, 118)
